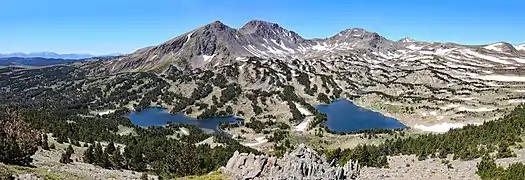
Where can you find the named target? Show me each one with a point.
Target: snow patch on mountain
(520, 47)
(188, 38)
(208, 58)
(503, 78)
(320, 47)
(407, 40)
(414, 47)
(494, 47)
(441, 128)
(481, 109)
(483, 56)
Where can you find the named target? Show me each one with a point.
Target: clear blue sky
(122, 26)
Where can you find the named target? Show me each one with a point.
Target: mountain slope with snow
(255, 38)
(520, 47)
(263, 69)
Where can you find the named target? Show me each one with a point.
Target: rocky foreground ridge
(302, 163)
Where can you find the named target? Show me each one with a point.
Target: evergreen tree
(45, 144)
(104, 160)
(65, 158)
(117, 159)
(111, 148)
(52, 146)
(504, 151)
(76, 143)
(486, 168)
(88, 155)
(69, 150)
(98, 153)
(135, 159)
(61, 139)
(144, 176)
(18, 141)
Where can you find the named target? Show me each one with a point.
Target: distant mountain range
(52, 55)
(47, 58)
(33, 61)
(46, 55)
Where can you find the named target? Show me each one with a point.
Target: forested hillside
(148, 150)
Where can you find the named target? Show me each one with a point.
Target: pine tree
(18, 141)
(144, 176)
(137, 161)
(88, 155)
(76, 143)
(98, 153)
(65, 158)
(104, 160)
(69, 150)
(504, 151)
(117, 159)
(111, 148)
(61, 139)
(45, 144)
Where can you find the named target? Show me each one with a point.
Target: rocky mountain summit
(218, 44)
(302, 163)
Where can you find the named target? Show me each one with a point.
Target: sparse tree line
(488, 169)
(467, 143)
(150, 150)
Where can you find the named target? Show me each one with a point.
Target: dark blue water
(160, 117)
(345, 116)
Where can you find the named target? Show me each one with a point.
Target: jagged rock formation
(302, 163)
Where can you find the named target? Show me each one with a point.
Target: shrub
(18, 141)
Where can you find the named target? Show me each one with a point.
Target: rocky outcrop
(302, 163)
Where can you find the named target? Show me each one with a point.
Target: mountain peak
(269, 30)
(501, 47)
(258, 26)
(260, 22)
(217, 22)
(407, 40)
(216, 25)
(357, 32)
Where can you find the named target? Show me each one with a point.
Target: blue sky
(122, 26)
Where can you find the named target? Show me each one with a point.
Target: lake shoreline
(345, 108)
(158, 116)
